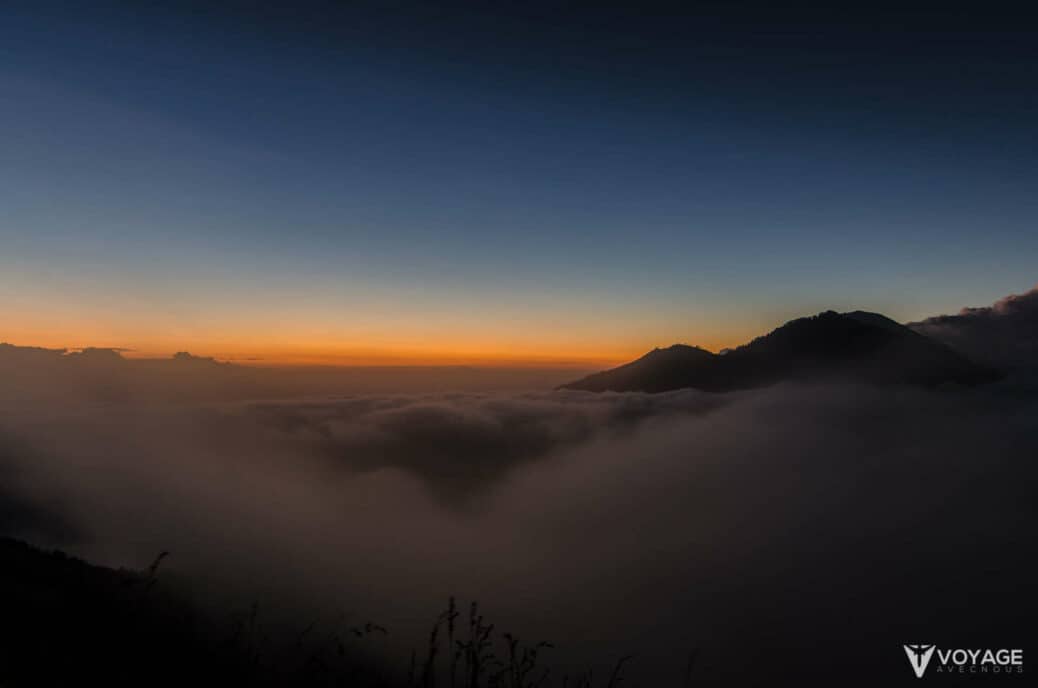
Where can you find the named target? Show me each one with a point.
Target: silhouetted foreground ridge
(67, 622)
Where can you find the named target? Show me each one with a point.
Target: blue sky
(582, 183)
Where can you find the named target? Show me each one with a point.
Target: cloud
(753, 526)
(461, 441)
(1004, 334)
(103, 375)
(786, 531)
(20, 511)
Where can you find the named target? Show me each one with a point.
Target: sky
(518, 183)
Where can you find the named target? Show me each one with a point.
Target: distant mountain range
(857, 346)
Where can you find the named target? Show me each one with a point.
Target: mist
(747, 527)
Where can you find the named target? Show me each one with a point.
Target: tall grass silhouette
(124, 625)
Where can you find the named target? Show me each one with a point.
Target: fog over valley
(743, 527)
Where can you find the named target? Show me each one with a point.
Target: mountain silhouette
(857, 346)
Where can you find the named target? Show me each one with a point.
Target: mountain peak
(859, 346)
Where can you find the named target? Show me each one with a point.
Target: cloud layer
(1004, 334)
(751, 526)
(792, 531)
(460, 442)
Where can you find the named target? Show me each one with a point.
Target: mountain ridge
(858, 346)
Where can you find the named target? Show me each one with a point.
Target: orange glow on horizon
(300, 330)
(313, 341)
(288, 353)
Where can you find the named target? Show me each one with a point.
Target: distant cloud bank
(1005, 333)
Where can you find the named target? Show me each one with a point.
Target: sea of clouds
(742, 525)
(756, 528)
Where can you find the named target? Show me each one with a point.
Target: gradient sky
(533, 183)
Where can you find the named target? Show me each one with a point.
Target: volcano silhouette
(857, 346)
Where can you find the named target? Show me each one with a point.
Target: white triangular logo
(919, 657)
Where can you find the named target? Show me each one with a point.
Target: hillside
(857, 346)
(66, 622)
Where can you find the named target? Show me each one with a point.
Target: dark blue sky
(524, 179)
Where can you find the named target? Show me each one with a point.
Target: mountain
(857, 346)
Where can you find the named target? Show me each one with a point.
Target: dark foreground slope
(66, 622)
(858, 346)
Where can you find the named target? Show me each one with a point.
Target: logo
(965, 661)
(919, 656)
